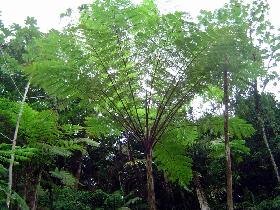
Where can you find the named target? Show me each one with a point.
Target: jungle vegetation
(103, 114)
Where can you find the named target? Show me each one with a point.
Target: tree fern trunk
(150, 181)
(14, 142)
(227, 143)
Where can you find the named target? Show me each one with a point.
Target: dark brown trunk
(77, 168)
(130, 155)
(168, 189)
(200, 193)
(33, 204)
(51, 196)
(26, 186)
(150, 181)
(227, 143)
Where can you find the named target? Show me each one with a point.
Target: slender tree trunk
(200, 193)
(264, 136)
(150, 181)
(51, 197)
(14, 142)
(26, 182)
(227, 143)
(33, 205)
(78, 168)
(169, 191)
(129, 151)
(183, 198)
(275, 168)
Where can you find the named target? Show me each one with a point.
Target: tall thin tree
(14, 142)
(227, 141)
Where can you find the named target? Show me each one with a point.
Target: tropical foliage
(110, 119)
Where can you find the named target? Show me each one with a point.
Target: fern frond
(237, 126)
(66, 178)
(172, 159)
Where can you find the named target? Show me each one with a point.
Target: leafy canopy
(133, 64)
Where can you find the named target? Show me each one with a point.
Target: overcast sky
(47, 11)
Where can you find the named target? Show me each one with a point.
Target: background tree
(231, 58)
(266, 43)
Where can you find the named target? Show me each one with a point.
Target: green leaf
(237, 127)
(101, 126)
(170, 156)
